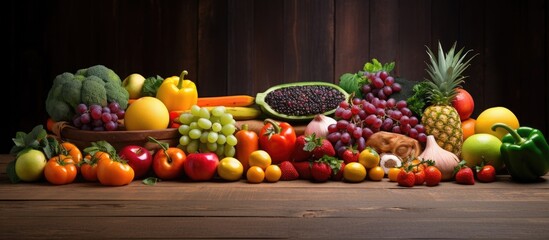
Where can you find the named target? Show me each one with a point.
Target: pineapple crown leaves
(446, 73)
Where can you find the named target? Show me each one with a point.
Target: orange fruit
(376, 173)
(255, 174)
(273, 173)
(393, 173)
(468, 127)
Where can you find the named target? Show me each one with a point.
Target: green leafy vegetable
(419, 100)
(376, 66)
(151, 85)
(351, 83)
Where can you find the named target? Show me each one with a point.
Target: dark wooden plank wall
(246, 46)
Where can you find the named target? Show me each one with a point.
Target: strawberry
(301, 151)
(288, 171)
(406, 178)
(433, 176)
(324, 148)
(304, 169)
(464, 174)
(337, 175)
(350, 155)
(486, 173)
(321, 171)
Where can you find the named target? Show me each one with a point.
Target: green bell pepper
(525, 153)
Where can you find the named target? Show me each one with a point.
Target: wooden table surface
(288, 209)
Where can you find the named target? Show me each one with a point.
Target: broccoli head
(94, 85)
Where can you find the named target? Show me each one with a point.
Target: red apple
(464, 104)
(138, 157)
(201, 166)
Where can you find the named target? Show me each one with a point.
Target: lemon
(493, 115)
(369, 158)
(146, 113)
(354, 172)
(259, 158)
(230, 169)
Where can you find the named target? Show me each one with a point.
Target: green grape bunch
(204, 130)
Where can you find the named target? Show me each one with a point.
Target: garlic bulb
(319, 126)
(444, 160)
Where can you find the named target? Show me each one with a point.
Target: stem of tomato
(163, 145)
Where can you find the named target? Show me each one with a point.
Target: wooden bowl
(118, 139)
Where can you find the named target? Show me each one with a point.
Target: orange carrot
(227, 101)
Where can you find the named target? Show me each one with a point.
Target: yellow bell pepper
(177, 93)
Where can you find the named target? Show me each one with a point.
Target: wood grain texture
(286, 210)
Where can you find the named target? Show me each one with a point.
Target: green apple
(29, 166)
(482, 147)
(133, 84)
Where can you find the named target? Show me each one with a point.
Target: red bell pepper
(277, 139)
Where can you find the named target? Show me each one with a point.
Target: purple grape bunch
(97, 118)
(359, 119)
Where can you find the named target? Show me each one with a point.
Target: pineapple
(441, 119)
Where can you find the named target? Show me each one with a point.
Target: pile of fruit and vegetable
(370, 126)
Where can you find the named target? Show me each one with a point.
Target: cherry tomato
(114, 171)
(168, 163)
(60, 170)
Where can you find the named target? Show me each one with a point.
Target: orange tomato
(468, 127)
(60, 170)
(88, 166)
(113, 171)
(72, 150)
(393, 173)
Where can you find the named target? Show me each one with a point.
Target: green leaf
(151, 181)
(377, 65)
(151, 85)
(352, 83)
(12, 175)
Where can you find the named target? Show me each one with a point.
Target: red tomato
(113, 171)
(168, 164)
(60, 170)
(464, 104)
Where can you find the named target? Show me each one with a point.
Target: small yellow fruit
(146, 113)
(369, 158)
(273, 173)
(354, 172)
(230, 169)
(376, 173)
(259, 158)
(393, 174)
(255, 174)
